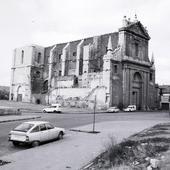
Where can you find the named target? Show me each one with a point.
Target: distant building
(114, 67)
(165, 97)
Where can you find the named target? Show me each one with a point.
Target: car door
(35, 134)
(53, 133)
(44, 136)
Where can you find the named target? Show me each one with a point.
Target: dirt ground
(139, 151)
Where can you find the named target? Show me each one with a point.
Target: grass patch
(3, 162)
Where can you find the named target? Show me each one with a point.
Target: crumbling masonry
(114, 67)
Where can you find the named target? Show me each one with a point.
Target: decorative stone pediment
(138, 29)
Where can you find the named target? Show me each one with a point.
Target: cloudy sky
(45, 23)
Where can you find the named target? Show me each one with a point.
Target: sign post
(94, 115)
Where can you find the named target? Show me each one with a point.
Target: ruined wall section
(36, 80)
(98, 49)
(37, 69)
(72, 57)
(89, 53)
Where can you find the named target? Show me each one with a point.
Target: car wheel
(15, 143)
(35, 143)
(60, 135)
(44, 111)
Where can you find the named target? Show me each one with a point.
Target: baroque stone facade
(114, 68)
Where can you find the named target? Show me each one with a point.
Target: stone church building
(113, 68)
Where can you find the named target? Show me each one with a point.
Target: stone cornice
(135, 61)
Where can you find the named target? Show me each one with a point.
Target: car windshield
(24, 127)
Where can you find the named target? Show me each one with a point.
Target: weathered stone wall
(36, 80)
(65, 93)
(37, 56)
(21, 84)
(99, 49)
(22, 89)
(23, 60)
(116, 84)
(136, 47)
(39, 98)
(65, 82)
(27, 56)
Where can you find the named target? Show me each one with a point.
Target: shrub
(4, 95)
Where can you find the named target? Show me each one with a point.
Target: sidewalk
(76, 149)
(11, 118)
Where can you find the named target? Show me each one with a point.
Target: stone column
(12, 74)
(79, 54)
(64, 57)
(51, 59)
(86, 56)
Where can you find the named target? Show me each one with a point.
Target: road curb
(3, 121)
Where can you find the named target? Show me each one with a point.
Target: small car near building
(55, 108)
(35, 132)
(130, 108)
(113, 110)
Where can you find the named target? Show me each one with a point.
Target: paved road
(72, 120)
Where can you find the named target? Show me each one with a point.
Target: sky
(42, 22)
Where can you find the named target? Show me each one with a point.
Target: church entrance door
(137, 90)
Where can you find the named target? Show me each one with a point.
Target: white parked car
(113, 110)
(53, 108)
(35, 132)
(130, 108)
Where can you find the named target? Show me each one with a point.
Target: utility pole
(94, 115)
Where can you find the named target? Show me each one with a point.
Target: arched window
(137, 77)
(22, 57)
